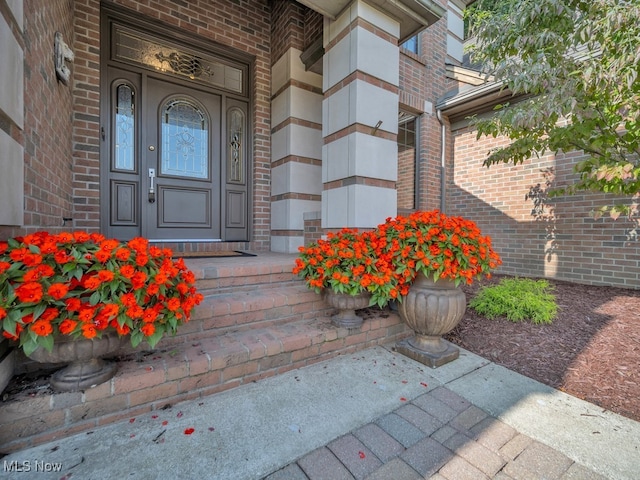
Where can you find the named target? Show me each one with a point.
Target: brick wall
(47, 120)
(423, 78)
(288, 27)
(539, 237)
(406, 176)
(313, 26)
(244, 26)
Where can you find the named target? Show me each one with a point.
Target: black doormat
(218, 254)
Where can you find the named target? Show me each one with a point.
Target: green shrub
(517, 299)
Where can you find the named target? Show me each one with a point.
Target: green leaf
(47, 342)
(95, 298)
(28, 347)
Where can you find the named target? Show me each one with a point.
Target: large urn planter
(86, 367)
(347, 305)
(431, 309)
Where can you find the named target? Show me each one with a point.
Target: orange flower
(49, 314)
(134, 311)
(41, 327)
(89, 330)
(29, 292)
(106, 275)
(73, 304)
(149, 315)
(32, 259)
(58, 290)
(173, 304)
(67, 326)
(91, 283)
(62, 257)
(102, 256)
(86, 313)
(121, 329)
(128, 299)
(127, 271)
(123, 254)
(138, 280)
(148, 329)
(10, 336)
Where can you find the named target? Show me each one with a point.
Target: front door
(174, 143)
(181, 159)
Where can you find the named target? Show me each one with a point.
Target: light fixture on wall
(62, 53)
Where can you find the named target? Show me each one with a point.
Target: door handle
(152, 193)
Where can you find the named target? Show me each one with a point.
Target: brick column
(360, 118)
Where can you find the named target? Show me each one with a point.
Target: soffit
(413, 15)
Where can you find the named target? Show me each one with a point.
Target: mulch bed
(590, 351)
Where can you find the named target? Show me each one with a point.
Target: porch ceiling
(413, 15)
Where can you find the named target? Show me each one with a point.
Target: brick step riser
(227, 285)
(187, 371)
(223, 313)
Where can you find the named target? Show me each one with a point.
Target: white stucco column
(296, 150)
(12, 106)
(360, 117)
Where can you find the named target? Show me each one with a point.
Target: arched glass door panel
(184, 139)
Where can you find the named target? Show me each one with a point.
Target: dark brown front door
(174, 151)
(165, 180)
(181, 160)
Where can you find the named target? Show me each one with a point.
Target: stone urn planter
(431, 309)
(347, 305)
(85, 368)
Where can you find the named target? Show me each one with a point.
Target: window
(124, 134)
(407, 148)
(185, 142)
(411, 44)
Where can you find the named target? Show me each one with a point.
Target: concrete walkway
(374, 414)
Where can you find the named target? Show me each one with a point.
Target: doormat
(218, 254)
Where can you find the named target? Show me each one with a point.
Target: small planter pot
(431, 309)
(347, 305)
(86, 367)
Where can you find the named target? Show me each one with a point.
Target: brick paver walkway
(437, 436)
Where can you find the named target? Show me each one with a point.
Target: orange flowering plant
(346, 263)
(386, 261)
(83, 284)
(437, 245)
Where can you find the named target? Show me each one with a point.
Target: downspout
(443, 152)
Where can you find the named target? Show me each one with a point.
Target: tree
(575, 64)
(481, 10)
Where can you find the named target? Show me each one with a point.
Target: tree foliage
(575, 63)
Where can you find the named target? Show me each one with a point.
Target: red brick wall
(406, 177)
(288, 29)
(556, 239)
(47, 120)
(423, 78)
(244, 26)
(313, 26)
